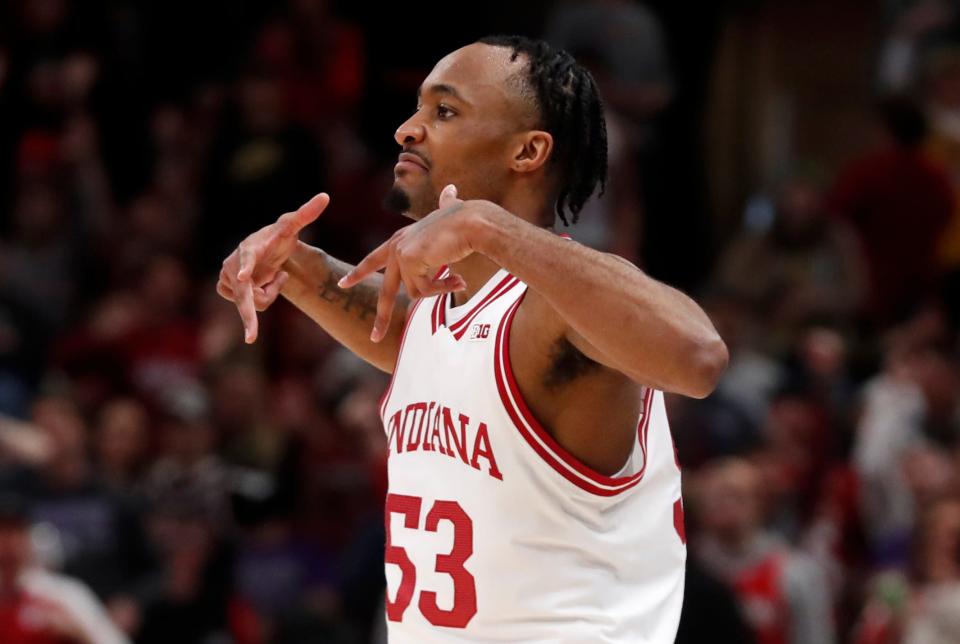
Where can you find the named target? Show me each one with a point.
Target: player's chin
(414, 197)
(408, 176)
(398, 198)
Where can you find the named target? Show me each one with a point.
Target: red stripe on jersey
(393, 376)
(460, 327)
(436, 317)
(493, 294)
(435, 314)
(541, 441)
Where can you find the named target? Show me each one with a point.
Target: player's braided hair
(571, 111)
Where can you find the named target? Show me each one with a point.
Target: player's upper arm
(548, 327)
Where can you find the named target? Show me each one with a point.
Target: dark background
(791, 165)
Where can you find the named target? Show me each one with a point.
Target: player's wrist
(306, 266)
(485, 229)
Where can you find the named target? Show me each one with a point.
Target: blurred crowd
(161, 481)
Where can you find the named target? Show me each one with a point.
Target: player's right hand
(251, 276)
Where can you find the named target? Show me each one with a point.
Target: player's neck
(476, 271)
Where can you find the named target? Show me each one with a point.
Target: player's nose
(410, 132)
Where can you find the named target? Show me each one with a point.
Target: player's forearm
(346, 314)
(647, 330)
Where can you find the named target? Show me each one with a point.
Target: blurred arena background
(792, 164)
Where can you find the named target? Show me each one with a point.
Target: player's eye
(444, 112)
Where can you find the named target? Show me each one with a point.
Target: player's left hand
(415, 255)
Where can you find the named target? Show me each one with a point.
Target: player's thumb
(448, 196)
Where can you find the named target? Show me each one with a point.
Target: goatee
(396, 200)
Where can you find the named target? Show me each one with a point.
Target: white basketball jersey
(494, 532)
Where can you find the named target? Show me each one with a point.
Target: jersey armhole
(543, 444)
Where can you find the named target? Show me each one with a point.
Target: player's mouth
(409, 161)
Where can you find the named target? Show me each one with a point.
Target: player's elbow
(707, 362)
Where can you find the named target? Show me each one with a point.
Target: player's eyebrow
(442, 89)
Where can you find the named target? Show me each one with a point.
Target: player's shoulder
(536, 318)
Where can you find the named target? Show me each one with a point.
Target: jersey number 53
(464, 585)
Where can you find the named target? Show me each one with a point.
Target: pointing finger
(247, 310)
(306, 214)
(386, 300)
(368, 265)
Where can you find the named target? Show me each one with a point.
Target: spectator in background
(935, 614)
(38, 267)
(188, 465)
(91, 533)
(38, 606)
(907, 427)
(805, 268)
(783, 593)
(793, 460)
(942, 92)
(141, 338)
(922, 606)
(915, 27)
(193, 601)
(821, 362)
(319, 59)
(162, 351)
(628, 42)
(289, 580)
(61, 211)
(898, 200)
(753, 375)
(264, 458)
(162, 218)
(121, 443)
(711, 612)
(614, 222)
(52, 69)
(260, 158)
(622, 45)
(22, 355)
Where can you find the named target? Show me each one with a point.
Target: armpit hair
(567, 363)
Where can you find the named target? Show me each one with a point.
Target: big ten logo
(479, 332)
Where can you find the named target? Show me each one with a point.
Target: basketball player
(533, 491)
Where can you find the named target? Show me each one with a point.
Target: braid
(570, 109)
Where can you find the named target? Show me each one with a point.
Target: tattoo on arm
(360, 300)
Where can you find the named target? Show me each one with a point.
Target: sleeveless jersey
(495, 533)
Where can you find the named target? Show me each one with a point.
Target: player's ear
(532, 151)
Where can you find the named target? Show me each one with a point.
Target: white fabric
(550, 561)
(76, 600)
